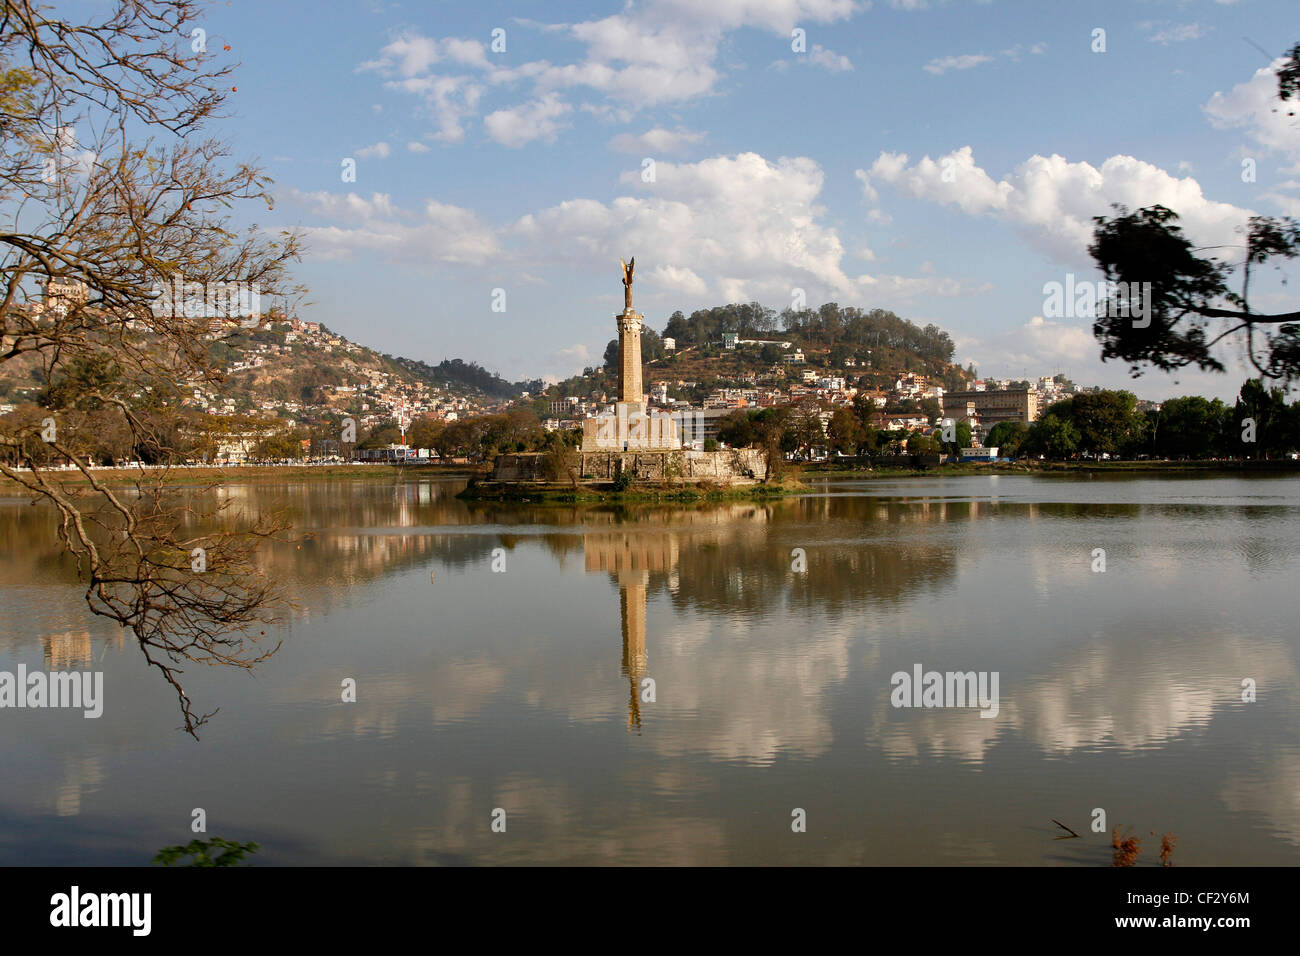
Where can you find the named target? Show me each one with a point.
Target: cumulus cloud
(751, 223)
(412, 54)
(539, 119)
(659, 52)
(1288, 203)
(1168, 33)
(679, 278)
(967, 61)
(379, 151)
(731, 227)
(887, 289)
(438, 233)
(1051, 201)
(448, 100)
(1043, 343)
(655, 142)
(941, 65)
(820, 56)
(1254, 106)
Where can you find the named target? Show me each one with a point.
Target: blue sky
(941, 159)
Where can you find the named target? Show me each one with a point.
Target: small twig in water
(1064, 827)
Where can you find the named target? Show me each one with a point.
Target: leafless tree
(111, 194)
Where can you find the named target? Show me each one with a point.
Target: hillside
(302, 372)
(305, 375)
(748, 344)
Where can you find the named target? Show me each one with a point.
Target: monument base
(735, 466)
(631, 428)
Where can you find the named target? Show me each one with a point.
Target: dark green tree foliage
(1107, 421)
(205, 853)
(1192, 308)
(652, 348)
(1092, 424)
(738, 429)
(1007, 438)
(961, 438)
(1288, 78)
(1053, 436)
(459, 372)
(829, 325)
(1274, 428)
(1190, 427)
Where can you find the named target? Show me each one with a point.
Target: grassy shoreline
(814, 470)
(1135, 468)
(205, 475)
(605, 493)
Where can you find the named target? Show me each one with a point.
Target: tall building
(63, 295)
(1002, 405)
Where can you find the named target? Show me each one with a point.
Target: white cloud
(1174, 32)
(1254, 106)
(679, 278)
(662, 51)
(731, 227)
(539, 119)
(966, 61)
(887, 289)
(868, 190)
(414, 147)
(829, 59)
(439, 233)
(574, 356)
(379, 151)
(1051, 201)
(1290, 205)
(747, 222)
(1041, 343)
(657, 141)
(449, 100)
(412, 54)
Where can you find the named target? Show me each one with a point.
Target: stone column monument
(629, 346)
(630, 428)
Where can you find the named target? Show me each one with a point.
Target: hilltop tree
(114, 193)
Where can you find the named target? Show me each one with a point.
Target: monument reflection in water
(630, 559)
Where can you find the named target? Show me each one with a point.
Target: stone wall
(737, 464)
(527, 467)
(741, 464)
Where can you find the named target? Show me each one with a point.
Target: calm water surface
(478, 689)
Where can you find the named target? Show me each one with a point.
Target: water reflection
(480, 689)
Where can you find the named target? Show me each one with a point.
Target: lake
(670, 685)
